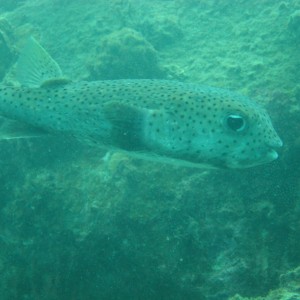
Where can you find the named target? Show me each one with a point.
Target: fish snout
(272, 145)
(275, 143)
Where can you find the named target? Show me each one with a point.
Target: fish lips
(262, 156)
(272, 153)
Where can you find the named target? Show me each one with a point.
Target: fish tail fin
(10, 129)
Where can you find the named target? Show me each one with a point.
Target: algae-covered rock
(294, 23)
(238, 297)
(7, 50)
(274, 295)
(291, 280)
(162, 31)
(289, 288)
(297, 94)
(280, 294)
(10, 5)
(125, 54)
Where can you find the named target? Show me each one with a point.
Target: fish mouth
(271, 155)
(261, 157)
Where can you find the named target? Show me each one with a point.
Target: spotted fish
(160, 120)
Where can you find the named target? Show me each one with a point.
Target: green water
(78, 224)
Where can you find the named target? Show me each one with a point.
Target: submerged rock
(291, 281)
(289, 288)
(10, 5)
(162, 31)
(294, 23)
(125, 54)
(7, 49)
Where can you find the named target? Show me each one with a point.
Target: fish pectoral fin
(126, 121)
(10, 129)
(122, 113)
(35, 66)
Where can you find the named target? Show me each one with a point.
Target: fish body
(155, 119)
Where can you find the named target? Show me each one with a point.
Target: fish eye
(236, 123)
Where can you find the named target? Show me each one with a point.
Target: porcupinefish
(154, 119)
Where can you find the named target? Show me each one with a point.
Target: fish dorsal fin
(35, 66)
(55, 82)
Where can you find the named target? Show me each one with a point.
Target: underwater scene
(149, 150)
